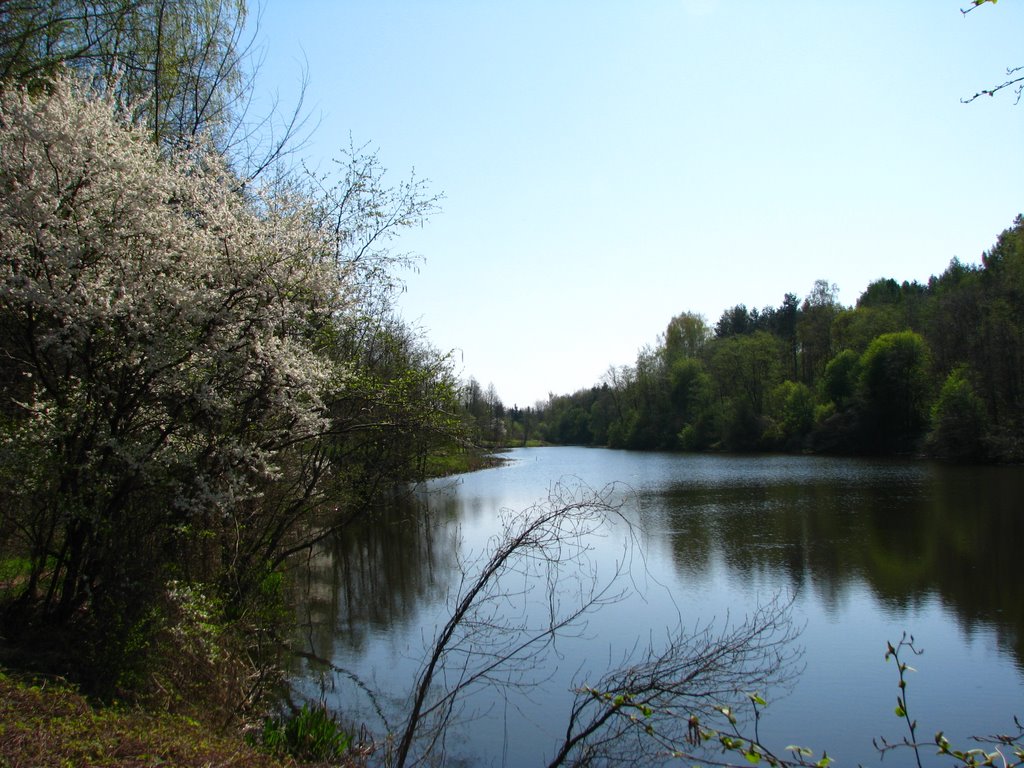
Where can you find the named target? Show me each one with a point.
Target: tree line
(934, 368)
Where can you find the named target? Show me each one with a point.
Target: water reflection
(374, 576)
(868, 548)
(909, 534)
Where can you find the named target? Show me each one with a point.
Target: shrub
(309, 734)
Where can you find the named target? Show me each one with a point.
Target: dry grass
(52, 725)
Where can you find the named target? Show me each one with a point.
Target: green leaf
(900, 712)
(752, 757)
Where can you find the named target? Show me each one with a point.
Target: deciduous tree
(959, 420)
(894, 386)
(172, 373)
(186, 65)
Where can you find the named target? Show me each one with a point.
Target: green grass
(457, 462)
(312, 733)
(13, 571)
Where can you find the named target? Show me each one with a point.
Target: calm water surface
(866, 549)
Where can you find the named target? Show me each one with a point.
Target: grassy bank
(50, 724)
(457, 462)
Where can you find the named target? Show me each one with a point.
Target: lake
(865, 550)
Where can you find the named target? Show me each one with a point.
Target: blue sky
(607, 165)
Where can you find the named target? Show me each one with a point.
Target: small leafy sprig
(1008, 751)
(906, 643)
(750, 747)
(975, 4)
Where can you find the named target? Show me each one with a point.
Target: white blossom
(165, 326)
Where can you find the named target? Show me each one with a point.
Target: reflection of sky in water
(718, 535)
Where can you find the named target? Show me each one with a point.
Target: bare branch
(1013, 81)
(646, 707)
(547, 542)
(1010, 71)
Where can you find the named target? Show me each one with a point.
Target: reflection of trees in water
(976, 539)
(798, 530)
(374, 574)
(956, 535)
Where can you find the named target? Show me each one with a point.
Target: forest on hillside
(934, 368)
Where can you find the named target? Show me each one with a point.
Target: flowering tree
(164, 342)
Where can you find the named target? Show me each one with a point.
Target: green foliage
(868, 374)
(697, 436)
(839, 383)
(456, 461)
(734, 321)
(741, 429)
(855, 329)
(685, 337)
(747, 368)
(13, 570)
(690, 390)
(735, 739)
(959, 420)
(977, 321)
(792, 407)
(879, 293)
(398, 407)
(574, 426)
(869, 371)
(814, 329)
(895, 388)
(619, 431)
(310, 734)
(179, 61)
(1007, 749)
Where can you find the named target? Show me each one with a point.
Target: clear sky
(608, 165)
